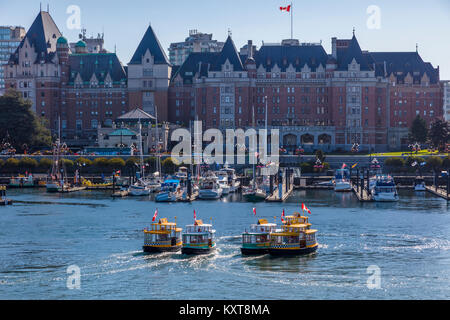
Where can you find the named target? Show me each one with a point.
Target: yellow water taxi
(295, 237)
(257, 239)
(162, 236)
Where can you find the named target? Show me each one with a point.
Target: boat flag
(195, 215)
(343, 166)
(254, 211)
(414, 164)
(354, 165)
(287, 9)
(282, 216)
(304, 208)
(154, 216)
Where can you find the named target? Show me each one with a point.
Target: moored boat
(162, 236)
(294, 238)
(209, 188)
(22, 181)
(419, 184)
(251, 194)
(257, 239)
(198, 238)
(342, 180)
(384, 189)
(170, 191)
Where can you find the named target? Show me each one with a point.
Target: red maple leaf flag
(254, 211)
(343, 165)
(195, 215)
(287, 9)
(154, 216)
(304, 208)
(282, 216)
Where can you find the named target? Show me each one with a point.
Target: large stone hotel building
(317, 99)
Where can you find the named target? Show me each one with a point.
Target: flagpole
(292, 30)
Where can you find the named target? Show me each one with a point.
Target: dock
(71, 189)
(120, 194)
(438, 192)
(361, 194)
(193, 197)
(284, 189)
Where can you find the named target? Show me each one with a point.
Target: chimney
(333, 47)
(250, 49)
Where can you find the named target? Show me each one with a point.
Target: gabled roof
(149, 42)
(229, 53)
(42, 35)
(298, 56)
(136, 115)
(98, 64)
(346, 56)
(197, 63)
(402, 63)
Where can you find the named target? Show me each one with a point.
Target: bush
(434, 162)
(67, 163)
(116, 163)
(12, 163)
(131, 161)
(100, 163)
(2, 163)
(151, 161)
(83, 162)
(395, 162)
(445, 163)
(168, 166)
(45, 164)
(306, 167)
(28, 163)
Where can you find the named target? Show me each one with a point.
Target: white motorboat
(170, 191)
(342, 180)
(419, 184)
(209, 188)
(139, 189)
(384, 189)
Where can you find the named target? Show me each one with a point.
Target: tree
(434, 162)
(20, 124)
(418, 131)
(168, 166)
(116, 163)
(438, 134)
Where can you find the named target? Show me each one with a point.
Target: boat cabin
(259, 233)
(293, 234)
(198, 233)
(162, 232)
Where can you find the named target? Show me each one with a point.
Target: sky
(394, 25)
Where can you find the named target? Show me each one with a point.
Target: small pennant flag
(254, 211)
(354, 165)
(414, 164)
(154, 216)
(287, 9)
(282, 216)
(304, 208)
(343, 165)
(195, 215)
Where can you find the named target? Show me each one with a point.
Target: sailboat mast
(158, 164)
(141, 149)
(253, 123)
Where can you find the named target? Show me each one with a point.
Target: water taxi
(257, 239)
(22, 181)
(295, 237)
(162, 236)
(198, 238)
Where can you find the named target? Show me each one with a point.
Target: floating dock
(71, 189)
(362, 195)
(438, 192)
(120, 194)
(286, 185)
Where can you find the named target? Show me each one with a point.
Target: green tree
(434, 162)
(83, 162)
(28, 164)
(116, 163)
(131, 162)
(45, 164)
(151, 161)
(19, 124)
(12, 164)
(419, 130)
(438, 134)
(100, 163)
(168, 166)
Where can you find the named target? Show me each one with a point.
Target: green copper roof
(80, 43)
(61, 40)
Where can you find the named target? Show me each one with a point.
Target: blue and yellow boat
(162, 236)
(198, 238)
(295, 237)
(257, 239)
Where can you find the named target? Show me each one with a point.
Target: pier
(285, 186)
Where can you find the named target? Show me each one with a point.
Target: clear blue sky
(403, 22)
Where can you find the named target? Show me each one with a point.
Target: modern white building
(10, 38)
(446, 102)
(196, 42)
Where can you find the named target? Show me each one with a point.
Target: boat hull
(293, 251)
(52, 187)
(153, 249)
(209, 195)
(388, 197)
(190, 250)
(254, 197)
(254, 251)
(342, 187)
(137, 192)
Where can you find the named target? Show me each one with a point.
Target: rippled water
(43, 234)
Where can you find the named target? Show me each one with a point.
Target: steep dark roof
(402, 63)
(346, 56)
(150, 42)
(197, 63)
(42, 35)
(99, 63)
(228, 52)
(298, 56)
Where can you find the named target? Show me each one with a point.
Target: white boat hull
(385, 197)
(166, 197)
(420, 187)
(342, 186)
(139, 191)
(210, 194)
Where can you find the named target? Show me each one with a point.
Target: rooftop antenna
(417, 47)
(353, 31)
(229, 32)
(40, 6)
(48, 8)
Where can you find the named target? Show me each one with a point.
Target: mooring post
(448, 182)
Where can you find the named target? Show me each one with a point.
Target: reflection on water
(43, 234)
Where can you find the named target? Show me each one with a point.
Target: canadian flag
(282, 216)
(304, 208)
(287, 9)
(154, 216)
(343, 165)
(254, 211)
(195, 215)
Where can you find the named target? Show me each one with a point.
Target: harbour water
(42, 234)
